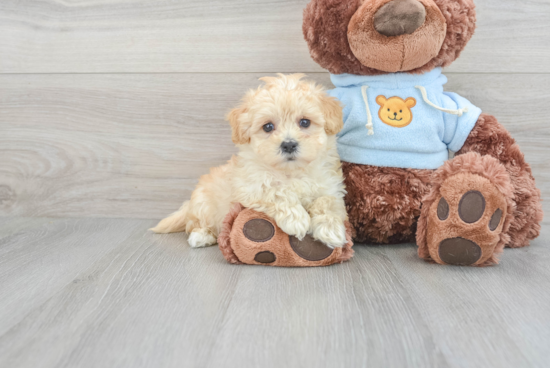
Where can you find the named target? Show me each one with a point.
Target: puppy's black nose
(289, 147)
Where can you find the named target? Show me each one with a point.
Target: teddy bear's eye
(400, 110)
(269, 127)
(388, 109)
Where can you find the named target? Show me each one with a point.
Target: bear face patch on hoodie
(401, 120)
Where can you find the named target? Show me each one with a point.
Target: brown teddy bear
(385, 59)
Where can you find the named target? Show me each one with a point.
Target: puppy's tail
(175, 223)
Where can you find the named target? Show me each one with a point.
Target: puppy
(287, 167)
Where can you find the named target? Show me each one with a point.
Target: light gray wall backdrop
(114, 108)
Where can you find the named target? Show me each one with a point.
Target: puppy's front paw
(329, 230)
(295, 222)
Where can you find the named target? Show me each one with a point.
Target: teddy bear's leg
(466, 216)
(482, 200)
(384, 203)
(489, 137)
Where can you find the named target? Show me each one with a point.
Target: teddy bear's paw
(329, 230)
(255, 239)
(465, 222)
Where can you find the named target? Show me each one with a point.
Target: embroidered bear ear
(410, 102)
(381, 100)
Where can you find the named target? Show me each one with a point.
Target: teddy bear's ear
(332, 112)
(381, 100)
(410, 102)
(238, 119)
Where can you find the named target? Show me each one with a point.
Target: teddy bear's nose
(399, 17)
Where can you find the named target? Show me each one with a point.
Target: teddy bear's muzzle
(396, 35)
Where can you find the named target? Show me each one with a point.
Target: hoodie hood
(388, 81)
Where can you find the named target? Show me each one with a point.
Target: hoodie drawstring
(369, 125)
(459, 112)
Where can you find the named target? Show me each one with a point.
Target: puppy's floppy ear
(332, 111)
(240, 133)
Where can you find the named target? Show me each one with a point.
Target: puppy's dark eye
(305, 123)
(269, 127)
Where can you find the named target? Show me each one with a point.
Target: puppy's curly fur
(302, 190)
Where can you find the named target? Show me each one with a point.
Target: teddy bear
(420, 164)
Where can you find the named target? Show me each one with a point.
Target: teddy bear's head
(370, 37)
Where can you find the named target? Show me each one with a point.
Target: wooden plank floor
(106, 293)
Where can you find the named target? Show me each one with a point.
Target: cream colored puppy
(287, 167)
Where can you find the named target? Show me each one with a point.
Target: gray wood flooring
(105, 293)
(110, 110)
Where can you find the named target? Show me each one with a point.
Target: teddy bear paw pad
(265, 257)
(459, 252)
(310, 249)
(259, 230)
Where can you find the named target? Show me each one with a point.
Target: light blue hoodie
(409, 121)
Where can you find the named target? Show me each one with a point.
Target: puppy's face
(287, 122)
